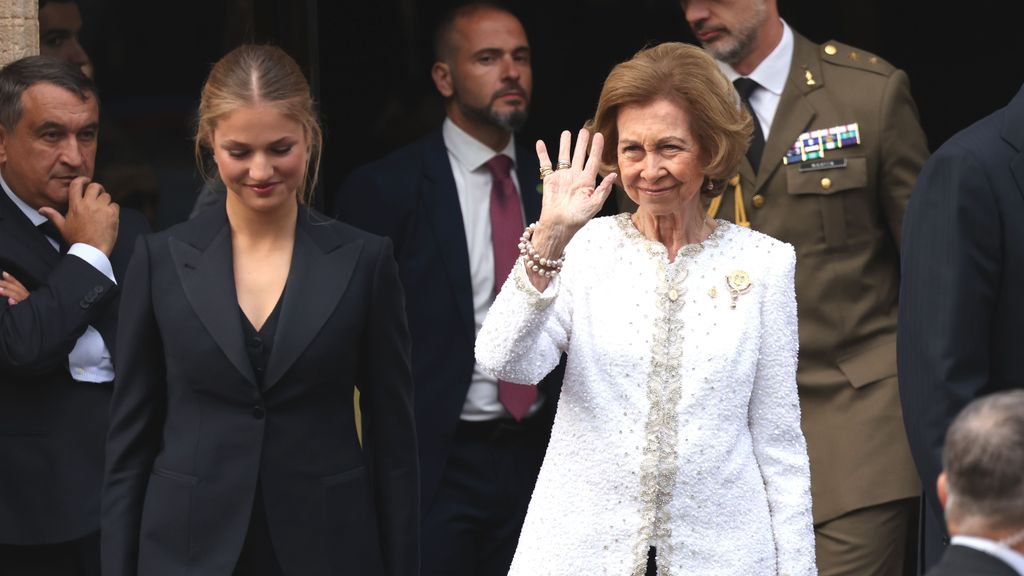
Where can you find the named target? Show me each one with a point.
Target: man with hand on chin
(63, 245)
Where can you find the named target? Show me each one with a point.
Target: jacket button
(258, 412)
(757, 200)
(826, 183)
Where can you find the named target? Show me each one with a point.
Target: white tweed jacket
(678, 424)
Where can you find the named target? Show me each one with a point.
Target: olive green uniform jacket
(844, 222)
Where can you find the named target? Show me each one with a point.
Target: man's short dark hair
(446, 24)
(45, 2)
(20, 75)
(984, 462)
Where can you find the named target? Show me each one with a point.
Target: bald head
(983, 461)
(446, 35)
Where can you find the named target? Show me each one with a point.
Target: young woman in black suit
(243, 332)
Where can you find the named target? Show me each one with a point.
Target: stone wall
(19, 29)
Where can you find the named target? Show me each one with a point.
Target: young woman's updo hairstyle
(252, 75)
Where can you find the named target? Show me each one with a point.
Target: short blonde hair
(266, 75)
(686, 76)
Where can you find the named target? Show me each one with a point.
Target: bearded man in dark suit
(455, 203)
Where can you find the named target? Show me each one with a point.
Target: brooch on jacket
(814, 144)
(739, 283)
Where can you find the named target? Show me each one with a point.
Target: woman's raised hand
(570, 196)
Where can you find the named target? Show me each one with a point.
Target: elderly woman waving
(677, 443)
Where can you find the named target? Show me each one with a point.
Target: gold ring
(545, 171)
(562, 165)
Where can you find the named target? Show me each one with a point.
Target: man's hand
(92, 216)
(11, 289)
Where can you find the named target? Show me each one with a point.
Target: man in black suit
(63, 238)
(455, 211)
(981, 488)
(962, 271)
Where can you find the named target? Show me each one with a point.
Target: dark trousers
(79, 557)
(472, 525)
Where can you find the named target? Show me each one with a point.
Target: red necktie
(506, 228)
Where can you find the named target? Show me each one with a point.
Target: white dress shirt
(992, 548)
(771, 74)
(89, 360)
(468, 157)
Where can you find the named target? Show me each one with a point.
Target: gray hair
(22, 74)
(984, 462)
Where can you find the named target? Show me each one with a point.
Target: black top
(257, 556)
(258, 343)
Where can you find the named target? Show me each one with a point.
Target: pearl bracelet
(543, 266)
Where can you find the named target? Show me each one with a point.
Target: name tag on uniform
(822, 165)
(815, 144)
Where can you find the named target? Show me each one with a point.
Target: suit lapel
(527, 170)
(795, 112)
(1013, 134)
(203, 260)
(441, 203)
(321, 269)
(23, 236)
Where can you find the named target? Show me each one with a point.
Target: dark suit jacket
(844, 222)
(410, 196)
(963, 271)
(51, 428)
(964, 561)
(191, 433)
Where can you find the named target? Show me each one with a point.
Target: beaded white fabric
(678, 424)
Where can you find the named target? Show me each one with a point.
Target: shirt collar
(772, 72)
(1005, 553)
(469, 151)
(33, 215)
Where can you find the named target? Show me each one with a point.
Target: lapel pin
(809, 78)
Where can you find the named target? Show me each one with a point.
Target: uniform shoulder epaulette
(845, 55)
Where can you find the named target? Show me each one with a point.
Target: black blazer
(964, 561)
(52, 428)
(410, 196)
(191, 433)
(963, 272)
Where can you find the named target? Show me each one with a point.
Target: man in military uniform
(835, 153)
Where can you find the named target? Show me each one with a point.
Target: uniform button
(830, 50)
(826, 183)
(258, 412)
(757, 200)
